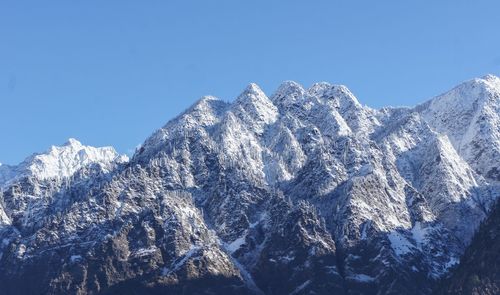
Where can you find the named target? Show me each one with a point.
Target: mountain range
(306, 191)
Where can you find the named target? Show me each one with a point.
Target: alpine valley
(306, 191)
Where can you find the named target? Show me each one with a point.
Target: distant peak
(63, 161)
(72, 142)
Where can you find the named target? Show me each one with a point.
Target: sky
(112, 72)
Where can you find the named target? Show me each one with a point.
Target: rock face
(479, 269)
(303, 192)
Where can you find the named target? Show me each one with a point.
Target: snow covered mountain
(28, 188)
(60, 162)
(303, 192)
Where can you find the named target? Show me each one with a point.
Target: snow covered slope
(470, 115)
(28, 189)
(60, 162)
(303, 192)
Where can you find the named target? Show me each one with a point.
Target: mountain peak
(254, 108)
(319, 88)
(62, 161)
(288, 92)
(206, 99)
(252, 95)
(488, 83)
(325, 91)
(204, 104)
(490, 77)
(469, 115)
(253, 92)
(288, 87)
(72, 142)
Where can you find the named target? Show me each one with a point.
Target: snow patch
(146, 251)
(301, 287)
(419, 233)
(236, 244)
(361, 278)
(75, 258)
(399, 243)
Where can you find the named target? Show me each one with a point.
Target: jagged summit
(72, 142)
(289, 88)
(490, 77)
(254, 108)
(252, 96)
(60, 162)
(203, 104)
(254, 89)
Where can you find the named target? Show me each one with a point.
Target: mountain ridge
(303, 191)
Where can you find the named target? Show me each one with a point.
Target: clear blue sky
(111, 72)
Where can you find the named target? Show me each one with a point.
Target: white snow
(146, 251)
(75, 258)
(453, 261)
(236, 244)
(21, 249)
(361, 278)
(399, 243)
(185, 257)
(419, 233)
(255, 109)
(301, 287)
(60, 162)
(469, 115)
(64, 161)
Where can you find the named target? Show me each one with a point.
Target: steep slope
(303, 192)
(470, 115)
(479, 269)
